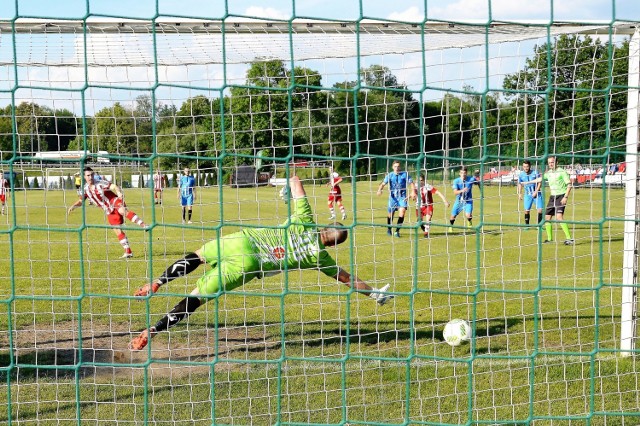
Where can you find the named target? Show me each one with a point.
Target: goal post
(629, 312)
(553, 323)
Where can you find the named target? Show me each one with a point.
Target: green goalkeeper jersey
(303, 248)
(558, 180)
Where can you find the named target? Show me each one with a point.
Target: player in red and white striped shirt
(108, 197)
(335, 195)
(425, 209)
(4, 192)
(158, 186)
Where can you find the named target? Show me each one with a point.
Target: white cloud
(266, 12)
(413, 14)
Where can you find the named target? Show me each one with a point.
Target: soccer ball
(456, 331)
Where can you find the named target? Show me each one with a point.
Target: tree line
(588, 93)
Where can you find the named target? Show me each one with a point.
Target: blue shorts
(396, 203)
(458, 206)
(528, 201)
(186, 201)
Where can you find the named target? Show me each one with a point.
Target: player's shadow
(58, 358)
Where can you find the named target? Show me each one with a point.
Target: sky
(409, 10)
(407, 68)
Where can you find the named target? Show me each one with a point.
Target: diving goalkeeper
(240, 257)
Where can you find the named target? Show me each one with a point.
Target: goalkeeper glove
(284, 193)
(381, 296)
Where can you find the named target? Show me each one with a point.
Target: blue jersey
(186, 185)
(459, 184)
(529, 188)
(398, 184)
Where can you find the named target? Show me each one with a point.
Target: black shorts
(555, 206)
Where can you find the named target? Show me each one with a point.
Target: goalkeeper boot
(140, 342)
(147, 289)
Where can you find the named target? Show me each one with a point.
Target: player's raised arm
(297, 190)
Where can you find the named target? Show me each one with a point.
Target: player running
(240, 257)
(463, 189)
(398, 182)
(529, 184)
(335, 195)
(186, 193)
(425, 209)
(110, 198)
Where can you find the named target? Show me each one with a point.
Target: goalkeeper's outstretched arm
(380, 296)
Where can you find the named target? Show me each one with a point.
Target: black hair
(333, 235)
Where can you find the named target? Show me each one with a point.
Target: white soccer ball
(456, 331)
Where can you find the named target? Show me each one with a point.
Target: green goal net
(248, 96)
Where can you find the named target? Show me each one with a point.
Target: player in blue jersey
(398, 182)
(186, 193)
(529, 184)
(463, 190)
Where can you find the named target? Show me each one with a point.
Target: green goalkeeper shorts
(233, 263)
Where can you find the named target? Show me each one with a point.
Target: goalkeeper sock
(181, 267)
(549, 231)
(565, 228)
(182, 310)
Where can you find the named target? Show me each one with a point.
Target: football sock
(400, 222)
(135, 219)
(181, 267)
(124, 242)
(565, 228)
(527, 217)
(539, 217)
(190, 211)
(183, 309)
(184, 212)
(342, 210)
(332, 211)
(452, 221)
(549, 231)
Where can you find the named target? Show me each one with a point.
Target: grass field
(299, 348)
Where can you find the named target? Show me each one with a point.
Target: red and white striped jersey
(157, 181)
(99, 194)
(4, 186)
(334, 179)
(426, 195)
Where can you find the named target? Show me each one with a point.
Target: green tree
(582, 85)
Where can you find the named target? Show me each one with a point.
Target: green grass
(299, 348)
